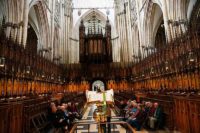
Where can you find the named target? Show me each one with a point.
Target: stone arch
(157, 2)
(98, 84)
(153, 22)
(195, 17)
(12, 12)
(87, 14)
(3, 11)
(39, 21)
(98, 79)
(100, 15)
(190, 7)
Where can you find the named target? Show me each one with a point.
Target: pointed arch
(87, 15)
(39, 21)
(154, 17)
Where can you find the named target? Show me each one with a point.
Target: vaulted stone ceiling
(134, 23)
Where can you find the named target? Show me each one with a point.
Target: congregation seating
(181, 112)
(30, 115)
(63, 116)
(35, 114)
(142, 115)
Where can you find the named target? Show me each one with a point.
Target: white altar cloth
(93, 96)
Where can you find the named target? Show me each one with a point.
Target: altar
(104, 96)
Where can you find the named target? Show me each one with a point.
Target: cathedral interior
(99, 66)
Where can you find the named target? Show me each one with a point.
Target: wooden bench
(167, 107)
(187, 114)
(11, 117)
(35, 115)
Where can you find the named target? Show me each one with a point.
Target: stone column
(67, 41)
(121, 37)
(139, 24)
(167, 16)
(129, 33)
(52, 28)
(12, 9)
(9, 19)
(25, 22)
(19, 34)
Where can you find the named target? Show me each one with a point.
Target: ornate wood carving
(95, 48)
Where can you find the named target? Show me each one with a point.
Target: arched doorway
(98, 84)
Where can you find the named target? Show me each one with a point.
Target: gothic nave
(99, 66)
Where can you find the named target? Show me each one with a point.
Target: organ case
(95, 47)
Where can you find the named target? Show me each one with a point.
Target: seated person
(134, 107)
(151, 109)
(140, 119)
(75, 111)
(135, 114)
(156, 121)
(66, 113)
(58, 117)
(130, 110)
(128, 105)
(69, 107)
(122, 107)
(72, 111)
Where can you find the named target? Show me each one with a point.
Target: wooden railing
(128, 128)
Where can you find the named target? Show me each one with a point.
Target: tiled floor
(88, 117)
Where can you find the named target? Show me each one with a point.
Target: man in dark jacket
(156, 121)
(140, 119)
(58, 117)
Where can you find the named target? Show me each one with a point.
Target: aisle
(88, 117)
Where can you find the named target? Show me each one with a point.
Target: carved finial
(3, 26)
(82, 24)
(3, 21)
(107, 22)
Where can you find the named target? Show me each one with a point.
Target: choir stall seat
(4, 113)
(194, 115)
(166, 104)
(36, 117)
(11, 117)
(187, 111)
